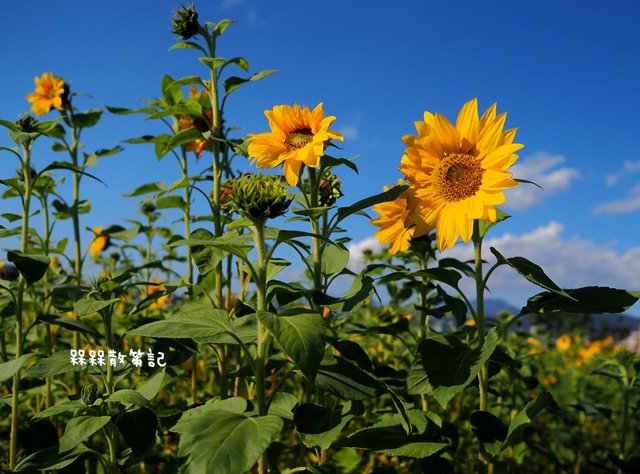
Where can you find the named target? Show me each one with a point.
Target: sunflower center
(298, 138)
(457, 177)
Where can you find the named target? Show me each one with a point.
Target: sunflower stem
(15, 389)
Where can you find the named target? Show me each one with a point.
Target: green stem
(48, 400)
(75, 217)
(483, 375)
(625, 422)
(15, 402)
(261, 356)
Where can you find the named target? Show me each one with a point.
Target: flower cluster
(457, 174)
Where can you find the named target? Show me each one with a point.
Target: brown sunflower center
(457, 177)
(298, 138)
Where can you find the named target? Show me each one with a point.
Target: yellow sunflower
(460, 171)
(99, 243)
(400, 220)
(161, 302)
(298, 136)
(50, 92)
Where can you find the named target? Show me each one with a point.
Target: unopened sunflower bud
(329, 190)
(258, 196)
(185, 22)
(90, 393)
(27, 123)
(148, 208)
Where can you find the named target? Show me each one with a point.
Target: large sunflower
(50, 92)
(460, 171)
(298, 136)
(400, 220)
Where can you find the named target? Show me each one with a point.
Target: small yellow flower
(563, 343)
(99, 243)
(298, 137)
(50, 92)
(470, 322)
(532, 341)
(550, 380)
(54, 262)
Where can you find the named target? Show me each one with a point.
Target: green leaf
(321, 426)
(79, 429)
(223, 442)
(530, 271)
(50, 458)
(388, 437)
(61, 165)
(444, 366)
(148, 188)
(587, 300)
(58, 363)
(125, 111)
(335, 258)
(361, 289)
(8, 369)
(282, 405)
(188, 45)
(388, 195)
(65, 406)
(87, 306)
(232, 83)
(490, 431)
(150, 387)
(86, 119)
(221, 26)
(31, 267)
(525, 416)
(444, 275)
(171, 202)
(138, 428)
(187, 81)
(183, 137)
(301, 337)
(331, 162)
(484, 225)
(126, 396)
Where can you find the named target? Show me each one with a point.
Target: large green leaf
(87, 119)
(31, 267)
(589, 300)
(321, 426)
(50, 458)
(223, 442)
(58, 363)
(138, 428)
(388, 437)
(87, 306)
(65, 406)
(301, 336)
(232, 83)
(525, 416)
(80, 429)
(389, 195)
(530, 271)
(8, 369)
(443, 365)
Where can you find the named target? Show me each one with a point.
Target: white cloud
(622, 206)
(231, 3)
(571, 262)
(541, 168)
(629, 167)
(349, 131)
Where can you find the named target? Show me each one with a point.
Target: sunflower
(160, 302)
(460, 171)
(186, 121)
(298, 136)
(99, 243)
(400, 220)
(50, 92)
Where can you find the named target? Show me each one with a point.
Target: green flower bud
(27, 123)
(260, 197)
(329, 189)
(185, 22)
(147, 208)
(90, 393)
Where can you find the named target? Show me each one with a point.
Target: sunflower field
(191, 350)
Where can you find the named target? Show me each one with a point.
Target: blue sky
(566, 73)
